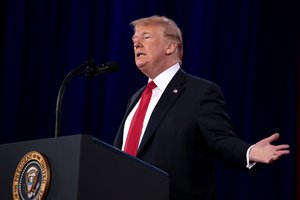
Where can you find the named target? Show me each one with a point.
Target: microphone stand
(86, 68)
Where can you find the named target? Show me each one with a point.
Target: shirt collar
(164, 78)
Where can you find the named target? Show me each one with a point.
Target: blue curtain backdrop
(249, 47)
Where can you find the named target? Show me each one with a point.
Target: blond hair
(170, 29)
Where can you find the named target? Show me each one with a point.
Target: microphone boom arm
(88, 69)
(82, 69)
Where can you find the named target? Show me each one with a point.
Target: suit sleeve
(216, 128)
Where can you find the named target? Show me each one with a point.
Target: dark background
(249, 47)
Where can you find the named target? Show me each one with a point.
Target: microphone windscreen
(112, 66)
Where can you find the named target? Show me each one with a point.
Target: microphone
(92, 70)
(88, 68)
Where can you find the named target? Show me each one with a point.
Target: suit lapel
(134, 99)
(167, 100)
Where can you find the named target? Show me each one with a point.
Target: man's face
(149, 49)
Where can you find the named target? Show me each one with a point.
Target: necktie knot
(151, 85)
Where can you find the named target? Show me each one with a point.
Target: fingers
(282, 147)
(279, 154)
(282, 152)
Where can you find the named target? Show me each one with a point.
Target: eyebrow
(142, 34)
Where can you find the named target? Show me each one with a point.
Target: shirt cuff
(250, 164)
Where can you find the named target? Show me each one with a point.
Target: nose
(136, 43)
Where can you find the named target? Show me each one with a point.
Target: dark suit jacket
(188, 128)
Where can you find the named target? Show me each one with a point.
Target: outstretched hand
(264, 152)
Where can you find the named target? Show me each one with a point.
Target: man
(185, 125)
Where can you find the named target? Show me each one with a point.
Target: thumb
(273, 137)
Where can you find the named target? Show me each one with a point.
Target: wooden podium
(84, 168)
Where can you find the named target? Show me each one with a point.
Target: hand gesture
(264, 152)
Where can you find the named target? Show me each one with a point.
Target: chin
(139, 64)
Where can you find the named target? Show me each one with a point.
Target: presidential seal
(32, 177)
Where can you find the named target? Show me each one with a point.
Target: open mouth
(139, 54)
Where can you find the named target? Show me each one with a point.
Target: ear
(171, 48)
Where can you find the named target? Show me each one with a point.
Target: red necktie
(135, 129)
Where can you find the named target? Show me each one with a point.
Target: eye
(146, 37)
